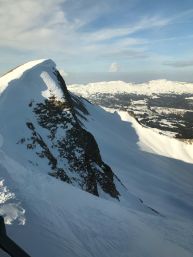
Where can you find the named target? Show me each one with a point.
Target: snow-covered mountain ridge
(47, 132)
(144, 208)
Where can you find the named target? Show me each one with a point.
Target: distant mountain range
(166, 106)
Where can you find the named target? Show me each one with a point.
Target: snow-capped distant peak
(161, 86)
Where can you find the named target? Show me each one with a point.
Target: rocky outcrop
(72, 152)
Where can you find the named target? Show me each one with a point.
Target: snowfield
(48, 217)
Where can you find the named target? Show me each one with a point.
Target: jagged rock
(57, 136)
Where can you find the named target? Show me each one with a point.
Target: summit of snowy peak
(20, 71)
(33, 80)
(48, 134)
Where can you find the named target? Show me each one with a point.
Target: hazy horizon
(133, 77)
(91, 77)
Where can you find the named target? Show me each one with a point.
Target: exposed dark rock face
(72, 152)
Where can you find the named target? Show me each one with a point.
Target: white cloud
(143, 24)
(46, 29)
(43, 25)
(114, 67)
(34, 24)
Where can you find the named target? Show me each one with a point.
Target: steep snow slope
(152, 142)
(65, 221)
(143, 166)
(164, 183)
(60, 219)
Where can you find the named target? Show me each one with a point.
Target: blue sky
(137, 39)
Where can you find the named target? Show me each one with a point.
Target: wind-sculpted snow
(10, 207)
(20, 70)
